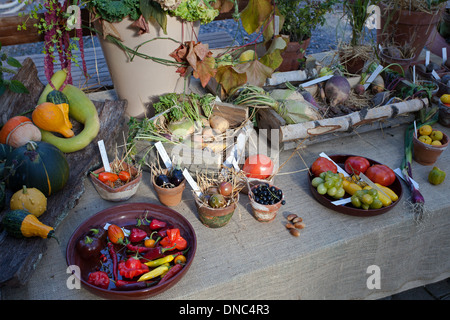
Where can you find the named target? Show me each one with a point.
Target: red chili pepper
(138, 249)
(106, 177)
(157, 224)
(99, 279)
(155, 253)
(132, 268)
(172, 272)
(123, 285)
(174, 238)
(124, 176)
(137, 235)
(113, 255)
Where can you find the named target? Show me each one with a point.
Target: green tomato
(365, 206)
(376, 204)
(339, 193)
(316, 181)
(332, 191)
(367, 199)
(373, 193)
(321, 189)
(356, 202)
(359, 193)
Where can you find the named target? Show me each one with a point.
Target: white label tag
(101, 146)
(427, 57)
(192, 182)
(164, 156)
(339, 169)
(444, 55)
(373, 76)
(318, 80)
(435, 75)
(276, 27)
(414, 74)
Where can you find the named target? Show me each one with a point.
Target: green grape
(316, 181)
(321, 189)
(329, 184)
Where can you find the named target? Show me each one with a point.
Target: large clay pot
(408, 27)
(401, 65)
(141, 81)
(294, 52)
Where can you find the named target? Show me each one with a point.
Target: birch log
(349, 121)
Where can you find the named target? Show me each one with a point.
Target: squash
(5, 150)
(81, 109)
(2, 195)
(48, 116)
(30, 199)
(61, 101)
(18, 130)
(21, 223)
(37, 165)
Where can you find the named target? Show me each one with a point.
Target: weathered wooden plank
(19, 257)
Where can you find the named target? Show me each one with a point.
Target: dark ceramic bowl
(126, 215)
(349, 209)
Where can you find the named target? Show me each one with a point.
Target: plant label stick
(373, 76)
(414, 74)
(339, 169)
(276, 25)
(191, 182)
(427, 57)
(164, 156)
(101, 146)
(444, 55)
(318, 80)
(435, 75)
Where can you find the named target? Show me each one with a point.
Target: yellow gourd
(30, 199)
(48, 116)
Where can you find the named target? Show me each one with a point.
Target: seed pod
(291, 217)
(299, 225)
(298, 219)
(289, 226)
(294, 232)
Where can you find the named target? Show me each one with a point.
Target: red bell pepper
(137, 235)
(174, 238)
(99, 279)
(132, 268)
(157, 224)
(124, 176)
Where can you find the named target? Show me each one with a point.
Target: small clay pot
(426, 154)
(215, 217)
(444, 114)
(261, 212)
(400, 65)
(121, 193)
(170, 197)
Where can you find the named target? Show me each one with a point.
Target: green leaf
(13, 62)
(152, 9)
(18, 87)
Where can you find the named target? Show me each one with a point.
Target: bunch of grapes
(329, 183)
(267, 195)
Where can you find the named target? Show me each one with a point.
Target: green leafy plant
(302, 17)
(356, 13)
(11, 64)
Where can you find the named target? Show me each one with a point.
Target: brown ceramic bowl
(126, 215)
(349, 209)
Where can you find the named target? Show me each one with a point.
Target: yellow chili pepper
(154, 273)
(350, 187)
(160, 261)
(388, 191)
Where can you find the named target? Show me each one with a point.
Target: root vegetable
(377, 84)
(337, 90)
(359, 89)
(219, 123)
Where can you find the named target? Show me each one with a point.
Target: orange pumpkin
(18, 130)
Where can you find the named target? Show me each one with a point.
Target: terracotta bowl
(121, 193)
(126, 215)
(426, 154)
(349, 209)
(261, 212)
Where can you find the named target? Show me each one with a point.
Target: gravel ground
(324, 38)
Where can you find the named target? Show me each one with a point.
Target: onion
(337, 90)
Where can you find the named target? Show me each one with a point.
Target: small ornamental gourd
(37, 165)
(61, 101)
(18, 130)
(21, 223)
(48, 116)
(30, 199)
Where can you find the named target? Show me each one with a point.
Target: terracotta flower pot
(400, 65)
(426, 154)
(444, 114)
(170, 197)
(261, 212)
(215, 217)
(294, 52)
(351, 60)
(121, 193)
(408, 27)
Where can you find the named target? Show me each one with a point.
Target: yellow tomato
(425, 139)
(445, 98)
(425, 130)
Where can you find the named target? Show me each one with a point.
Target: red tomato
(355, 165)
(382, 174)
(322, 165)
(258, 166)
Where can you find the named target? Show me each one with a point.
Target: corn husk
(293, 108)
